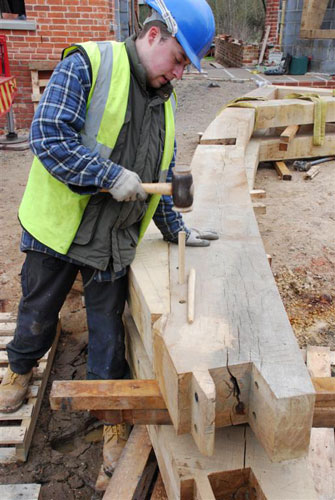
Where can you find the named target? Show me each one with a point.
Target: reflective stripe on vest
(166, 160)
(49, 210)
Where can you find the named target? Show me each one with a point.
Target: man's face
(164, 60)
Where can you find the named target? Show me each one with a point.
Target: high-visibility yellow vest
(50, 211)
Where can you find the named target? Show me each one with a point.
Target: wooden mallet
(181, 188)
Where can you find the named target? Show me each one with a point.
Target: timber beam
(141, 401)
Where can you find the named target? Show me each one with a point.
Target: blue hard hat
(195, 25)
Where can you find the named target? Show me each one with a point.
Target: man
(105, 122)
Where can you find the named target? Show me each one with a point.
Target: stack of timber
(238, 362)
(17, 429)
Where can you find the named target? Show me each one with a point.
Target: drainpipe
(132, 28)
(282, 21)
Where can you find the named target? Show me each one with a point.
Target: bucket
(298, 65)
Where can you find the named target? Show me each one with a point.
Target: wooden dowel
(191, 296)
(181, 256)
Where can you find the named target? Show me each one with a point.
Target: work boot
(115, 438)
(13, 390)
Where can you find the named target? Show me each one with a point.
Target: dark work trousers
(46, 281)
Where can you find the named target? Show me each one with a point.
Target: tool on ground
(191, 296)
(312, 172)
(304, 166)
(181, 257)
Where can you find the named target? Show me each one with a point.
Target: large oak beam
(301, 147)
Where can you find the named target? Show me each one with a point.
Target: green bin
(298, 65)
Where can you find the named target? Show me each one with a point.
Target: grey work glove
(199, 238)
(128, 187)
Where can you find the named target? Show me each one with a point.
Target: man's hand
(128, 187)
(198, 238)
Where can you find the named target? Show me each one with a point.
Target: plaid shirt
(55, 140)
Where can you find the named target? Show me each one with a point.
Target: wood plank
(264, 42)
(301, 147)
(140, 401)
(11, 434)
(4, 356)
(76, 395)
(22, 450)
(130, 466)
(283, 171)
(312, 172)
(42, 65)
(7, 455)
(322, 449)
(7, 328)
(274, 113)
(4, 340)
(283, 91)
(6, 317)
(20, 491)
(256, 194)
(259, 208)
(24, 412)
(287, 136)
(38, 370)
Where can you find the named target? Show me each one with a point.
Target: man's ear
(153, 34)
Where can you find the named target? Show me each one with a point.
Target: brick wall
(58, 24)
(236, 53)
(272, 19)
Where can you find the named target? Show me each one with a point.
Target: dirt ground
(298, 231)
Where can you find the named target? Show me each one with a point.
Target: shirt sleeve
(168, 221)
(55, 131)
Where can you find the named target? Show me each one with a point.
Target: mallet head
(182, 188)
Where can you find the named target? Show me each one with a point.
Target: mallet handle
(158, 188)
(154, 188)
